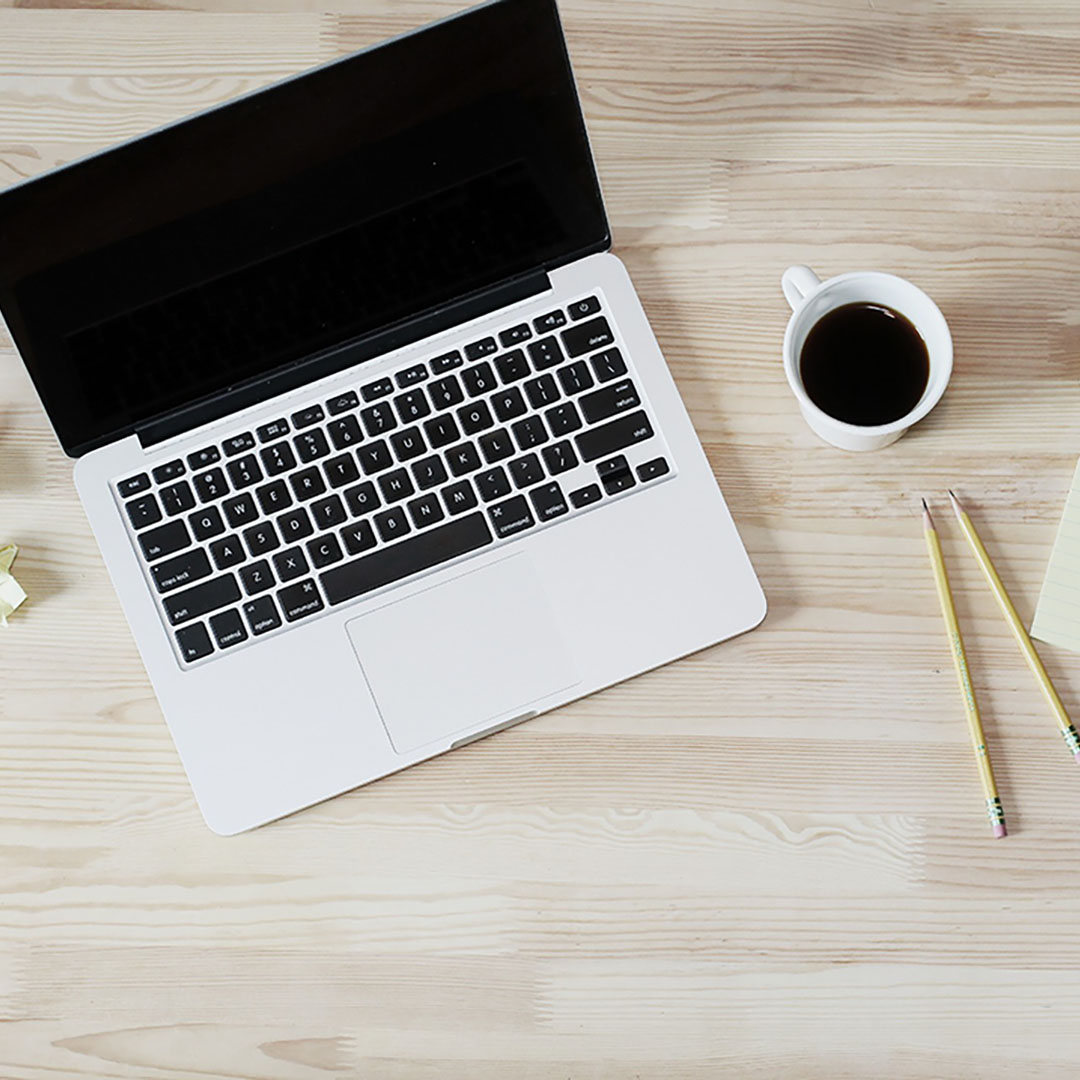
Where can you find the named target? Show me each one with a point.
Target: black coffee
(864, 364)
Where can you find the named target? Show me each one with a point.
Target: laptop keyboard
(471, 448)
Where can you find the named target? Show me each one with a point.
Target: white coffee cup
(811, 298)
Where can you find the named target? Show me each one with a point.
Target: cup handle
(798, 283)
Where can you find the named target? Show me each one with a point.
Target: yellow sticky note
(1057, 616)
(11, 594)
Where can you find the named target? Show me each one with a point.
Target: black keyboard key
(378, 418)
(362, 498)
(261, 538)
(278, 458)
(651, 470)
(512, 366)
(396, 485)
(274, 497)
(412, 406)
(324, 550)
(290, 564)
(133, 485)
(211, 485)
(515, 335)
(143, 511)
(483, 347)
(345, 432)
(245, 471)
(587, 337)
(545, 353)
(169, 471)
(262, 615)
(616, 435)
(421, 552)
(542, 391)
(526, 471)
(463, 459)
(475, 417)
(429, 472)
(181, 570)
(201, 599)
(276, 429)
(446, 392)
(549, 502)
(341, 470)
(328, 512)
(392, 523)
(530, 432)
(177, 498)
(509, 404)
(311, 445)
(441, 431)
(551, 321)
(609, 400)
(615, 475)
(201, 458)
(206, 523)
(227, 552)
(575, 377)
(343, 403)
(257, 577)
(609, 365)
(238, 444)
(307, 483)
(479, 380)
(194, 642)
(300, 600)
(374, 457)
(559, 457)
(496, 445)
(492, 483)
(411, 376)
(164, 540)
(358, 537)
(306, 417)
(408, 443)
(426, 511)
(586, 496)
(581, 309)
(295, 525)
(563, 419)
(240, 510)
(446, 362)
(379, 388)
(459, 497)
(510, 517)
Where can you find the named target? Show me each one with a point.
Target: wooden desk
(767, 861)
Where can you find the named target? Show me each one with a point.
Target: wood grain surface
(767, 861)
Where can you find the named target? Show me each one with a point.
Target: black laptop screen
(234, 244)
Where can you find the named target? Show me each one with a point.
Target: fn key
(194, 642)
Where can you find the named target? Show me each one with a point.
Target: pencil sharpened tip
(999, 831)
(924, 506)
(955, 502)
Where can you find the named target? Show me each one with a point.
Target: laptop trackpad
(482, 647)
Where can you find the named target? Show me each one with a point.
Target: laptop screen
(212, 253)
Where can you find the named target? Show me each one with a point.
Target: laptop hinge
(329, 361)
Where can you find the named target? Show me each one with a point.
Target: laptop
(372, 430)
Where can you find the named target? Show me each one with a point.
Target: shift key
(610, 438)
(209, 596)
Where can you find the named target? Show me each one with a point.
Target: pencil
(967, 691)
(1027, 647)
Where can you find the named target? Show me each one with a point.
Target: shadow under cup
(869, 287)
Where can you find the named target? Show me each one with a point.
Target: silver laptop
(375, 437)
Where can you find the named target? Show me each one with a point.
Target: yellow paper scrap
(11, 594)
(1057, 616)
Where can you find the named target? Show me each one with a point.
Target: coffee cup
(812, 299)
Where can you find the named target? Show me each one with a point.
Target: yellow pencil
(956, 647)
(1068, 731)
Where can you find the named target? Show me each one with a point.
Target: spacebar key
(423, 551)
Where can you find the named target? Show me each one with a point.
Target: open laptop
(376, 440)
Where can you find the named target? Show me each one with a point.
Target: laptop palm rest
(471, 651)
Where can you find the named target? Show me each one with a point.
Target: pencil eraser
(999, 831)
(1077, 755)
